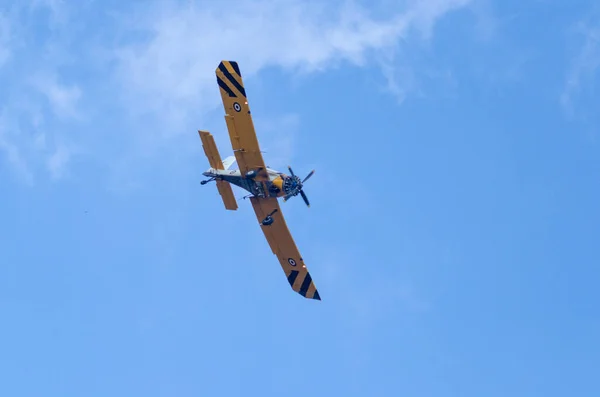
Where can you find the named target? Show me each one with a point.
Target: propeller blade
(308, 176)
(291, 172)
(305, 198)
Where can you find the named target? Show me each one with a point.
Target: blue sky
(454, 230)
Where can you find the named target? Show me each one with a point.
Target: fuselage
(278, 185)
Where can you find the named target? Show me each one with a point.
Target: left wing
(282, 244)
(239, 120)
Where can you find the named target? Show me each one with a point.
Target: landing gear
(269, 218)
(206, 181)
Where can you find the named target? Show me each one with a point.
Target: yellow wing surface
(214, 159)
(248, 155)
(239, 119)
(283, 246)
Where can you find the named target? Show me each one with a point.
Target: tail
(214, 159)
(228, 162)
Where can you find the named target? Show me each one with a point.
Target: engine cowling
(291, 185)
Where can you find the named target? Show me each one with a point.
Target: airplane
(264, 184)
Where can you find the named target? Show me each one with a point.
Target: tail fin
(228, 162)
(214, 159)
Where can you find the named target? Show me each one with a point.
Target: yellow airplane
(264, 184)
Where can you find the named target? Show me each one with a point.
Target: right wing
(239, 120)
(282, 244)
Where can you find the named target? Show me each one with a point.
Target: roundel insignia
(237, 107)
(292, 262)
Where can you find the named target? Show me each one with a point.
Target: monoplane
(264, 185)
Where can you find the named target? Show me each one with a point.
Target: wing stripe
(232, 79)
(292, 277)
(305, 285)
(317, 296)
(225, 88)
(236, 67)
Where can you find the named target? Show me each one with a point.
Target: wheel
(251, 174)
(268, 221)
(203, 182)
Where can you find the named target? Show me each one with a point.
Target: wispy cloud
(35, 104)
(4, 40)
(165, 64)
(63, 99)
(173, 70)
(584, 68)
(156, 64)
(12, 152)
(58, 161)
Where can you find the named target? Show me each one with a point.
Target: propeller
(298, 188)
(308, 176)
(305, 198)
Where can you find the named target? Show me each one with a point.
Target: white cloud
(31, 140)
(13, 154)
(57, 161)
(173, 71)
(5, 51)
(584, 68)
(423, 14)
(61, 98)
(36, 106)
(164, 65)
(400, 77)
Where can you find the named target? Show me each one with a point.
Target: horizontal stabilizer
(214, 159)
(227, 195)
(210, 150)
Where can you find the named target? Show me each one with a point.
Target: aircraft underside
(250, 185)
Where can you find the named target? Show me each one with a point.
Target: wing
(239, 120)
(282, 244)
